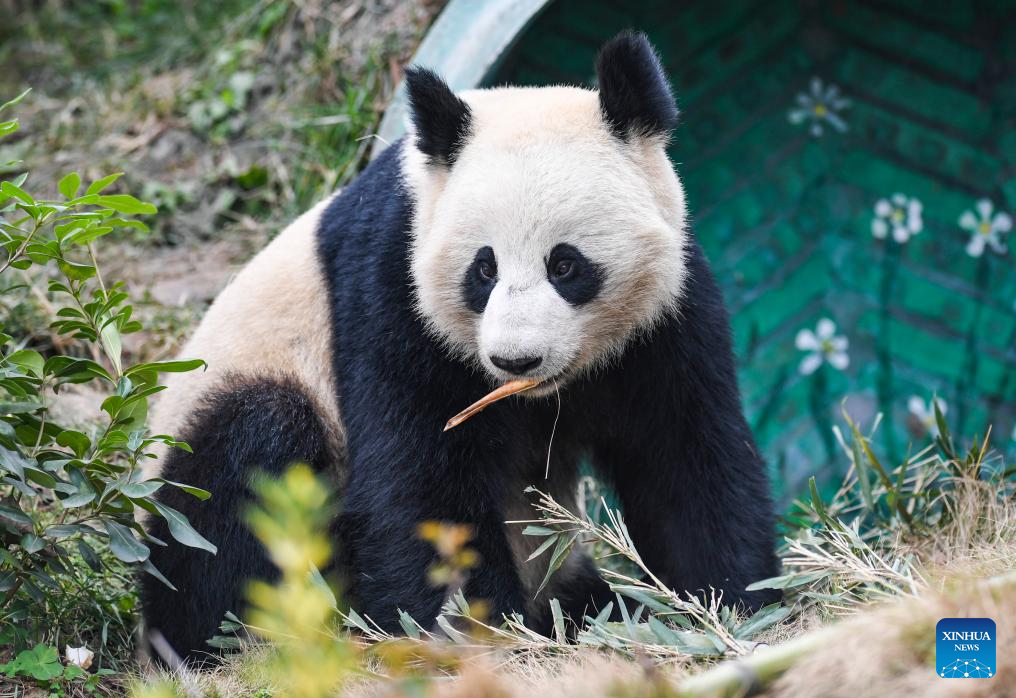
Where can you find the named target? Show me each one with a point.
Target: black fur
(635, 97)
(245, 429)
(442, 120)
(476, 289)
(584, 279)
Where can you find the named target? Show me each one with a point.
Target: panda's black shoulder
(371, 214)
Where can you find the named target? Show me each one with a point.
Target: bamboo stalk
(509, 388)
(749, 675)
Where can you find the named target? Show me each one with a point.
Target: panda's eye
(480, 279)
(575, 277)
(563, 268)
(487, 270)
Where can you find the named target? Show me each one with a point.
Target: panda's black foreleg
(401, 479)
(247, 428)
(391, 564)
(693, 487)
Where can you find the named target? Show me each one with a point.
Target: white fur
(269, 322)
(541, 168)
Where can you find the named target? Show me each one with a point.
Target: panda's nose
(517, 366)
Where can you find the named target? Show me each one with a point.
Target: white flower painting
(820, 107)
(986, 227)
(924, 412)
(823, 346)
(899, 214)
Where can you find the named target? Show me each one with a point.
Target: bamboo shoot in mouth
(510, 388)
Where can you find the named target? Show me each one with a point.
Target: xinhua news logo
(965, 648)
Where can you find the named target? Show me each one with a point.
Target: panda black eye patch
(576, 279)
(480, 279)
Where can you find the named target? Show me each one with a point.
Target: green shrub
(70, 499)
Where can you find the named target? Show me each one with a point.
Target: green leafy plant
(42, 665)
(70, 499)
(866, 543)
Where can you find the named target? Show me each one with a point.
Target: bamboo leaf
(557, 558)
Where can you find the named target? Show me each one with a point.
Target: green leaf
(16, 100)
(178, 366)
(89, 555)
(78, 500)
(764, 618)
(123, 544)
(8, 407)
(140, 490)
(72, 672)
(40, 477)
(66, 530)
(71, 370)
(41, 662)
(180, 528)
(560, 633)
(543, 547)
(125, 203)
(354, 620)
(151, 569)
(100, 184)
(74, 440)
(112, 345)
(605, 612)
(818, 505)
(189, 489)
(75, 271)
(15, 515)
(786, 581)
(32, 543)
(409, 626)
(557, 558)
(318, 581)
(83, 236)
(69, 185)
(11, 190)
(664, 633)
(639, 595)
(28, 361)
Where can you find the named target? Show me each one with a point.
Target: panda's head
(548, 224)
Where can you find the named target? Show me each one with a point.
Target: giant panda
(537, 232)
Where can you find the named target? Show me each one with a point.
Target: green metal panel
(786, 215)
(465, 44)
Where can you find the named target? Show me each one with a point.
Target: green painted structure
(800, 122)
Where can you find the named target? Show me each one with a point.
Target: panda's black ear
(635, 97)
(441, 119)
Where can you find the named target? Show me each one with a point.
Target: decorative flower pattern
(924, 412)
(900, 214)
(986, 227)
(823, 346)
(820, 106)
